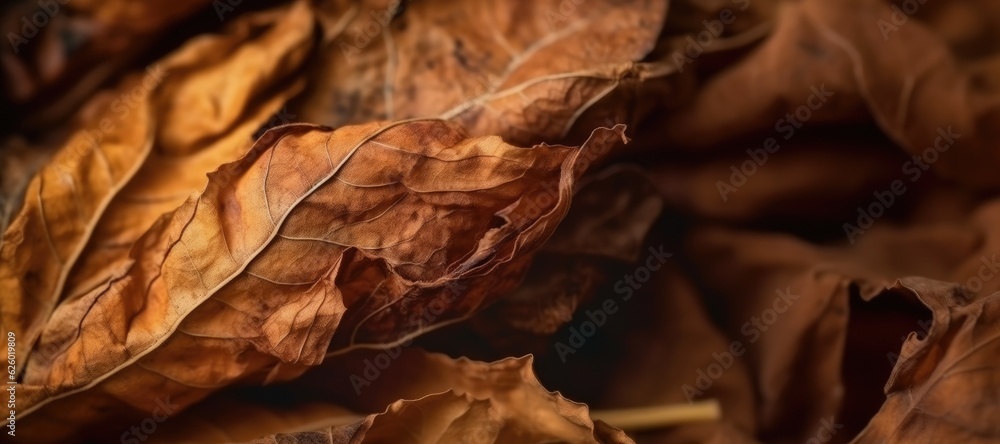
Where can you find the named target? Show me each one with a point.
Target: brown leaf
(904, 78)
(278, 299)
(18, 162)
(382, 223)
(55, 67)
(945, 386)
(804, 181)
(196, 134)
(806, 362)
(244, 415)
(787, 302)
(611, 214)
(465, 401)
(138, 152)
(526, 70)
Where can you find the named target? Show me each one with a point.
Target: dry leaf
(945, 386)
(904, 76)
(18, 161)
(611, 214)
(444, 400)
(527, 70)
(138, 153)
(61, 51)
(289, 295)
(804, 181)
(371, 247)
(316, 402)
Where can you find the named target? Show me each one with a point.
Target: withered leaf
(52, 68)
(364, 232)
(797, 360)
(612, 213)
(803, 181)
(945, 386)
(275, 290)
(525, 70)
(209, 119)
(904, 78)
(246, 414)
(465, 401)
(18, 161)
(138, 152)
(324, 401)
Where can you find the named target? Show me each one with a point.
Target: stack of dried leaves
(385, 221)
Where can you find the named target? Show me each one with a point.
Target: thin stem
(644, 418)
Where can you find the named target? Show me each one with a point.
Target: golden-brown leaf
(50, 70)
(359, 236)
(465, 401)
(525, 70)
(138, 152)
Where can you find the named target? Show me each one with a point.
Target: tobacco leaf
(612, 213)
(245, 414)
(904, 78)
(19, 159)
(441, 399)
(946, 384)
(803, 181)
(53, 68)
(786, 302)
(32, 277)
(325, 400)
(528, 71)
(138, 152)
(812, 362)
(312, 233)
(449, 417)
(278, 300)
(196, 134)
